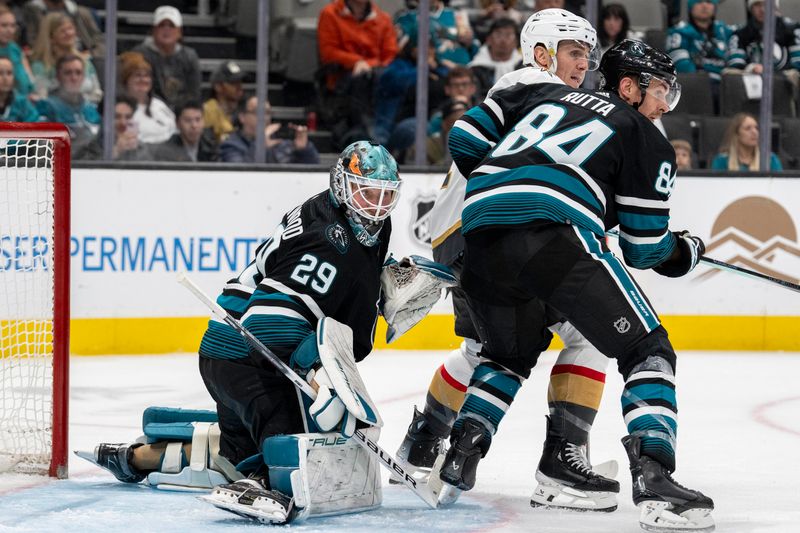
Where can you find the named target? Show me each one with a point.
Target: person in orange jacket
(356, 40)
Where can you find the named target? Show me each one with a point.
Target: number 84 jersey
(568, 155)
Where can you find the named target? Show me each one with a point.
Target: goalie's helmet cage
(632, 57)
(549, 27)
(366, 183)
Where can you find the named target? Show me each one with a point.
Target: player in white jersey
(558, 47)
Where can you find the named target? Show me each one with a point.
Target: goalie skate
(116, 458)
(248, 498)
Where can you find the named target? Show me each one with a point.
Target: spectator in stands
(67, 104)
(491, 11)
(89, 37)
(154, 119)
(615, 27)
(356, 42)
(10, 49)
(193, 142)
(14, 107)
(739, 149)
(701, 43)
(499, 56)
(683, 154)
(547, 4)
(239, 147)
(438, 154)
(396, 94)
(219, 111)
(453, 38)
(56, 39)
(176, 68)
(744, 47)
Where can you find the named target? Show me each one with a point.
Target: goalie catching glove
(690, 249)
(341, 394)
(410, 288)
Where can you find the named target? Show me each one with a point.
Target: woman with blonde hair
(739, 149)
(57, 38)
(153, 117)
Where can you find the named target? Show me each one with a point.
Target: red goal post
(34, 297)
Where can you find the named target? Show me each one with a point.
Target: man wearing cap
(744, 47)
(176, 68)
(701, 43)
(219, 110)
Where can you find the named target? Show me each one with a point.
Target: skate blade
(558, 496)
(608, 469)
(657, 517)
(448, 495)
(246, 511)
(89, 456)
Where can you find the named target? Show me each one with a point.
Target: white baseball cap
(169, 13)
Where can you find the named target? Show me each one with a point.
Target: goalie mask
(655, 70)
(549, 27)
(365, 182)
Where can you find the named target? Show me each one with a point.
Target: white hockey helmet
(551, 26)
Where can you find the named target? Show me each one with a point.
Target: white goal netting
(26, 304)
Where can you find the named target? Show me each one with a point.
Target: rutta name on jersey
(589, 101)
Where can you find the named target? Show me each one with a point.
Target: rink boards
(134, 229)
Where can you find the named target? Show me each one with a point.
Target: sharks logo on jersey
(337, 236)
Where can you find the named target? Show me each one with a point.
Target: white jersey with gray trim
(446, 239)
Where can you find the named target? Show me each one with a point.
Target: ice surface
(739, 433)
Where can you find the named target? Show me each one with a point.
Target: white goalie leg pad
(410, 288)
(551, 493)
(661, 517)
(206, 467)
(325, 473)
(335, 345)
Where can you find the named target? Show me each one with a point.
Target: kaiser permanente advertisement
(133, 230)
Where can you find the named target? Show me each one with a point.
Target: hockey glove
(410, 288)
(328, 410)
(691, 248)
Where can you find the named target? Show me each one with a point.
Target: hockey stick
(722, 265)
(423, 491)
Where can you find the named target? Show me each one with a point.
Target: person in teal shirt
(453, 39)
(10, 49)
(739, 149)
(67, 104)
(14, 107)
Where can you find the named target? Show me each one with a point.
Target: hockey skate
(116, 458)
(419, 449)
(664, 504)
(567, 481)
(468, 445)
(249, 498)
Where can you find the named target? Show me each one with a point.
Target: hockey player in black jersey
(575, 164)
(324, 261)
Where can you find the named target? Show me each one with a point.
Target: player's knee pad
(325, 473)
(461, 362)
(655, 343)
(204, 468)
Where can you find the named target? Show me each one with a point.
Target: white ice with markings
(739, 432)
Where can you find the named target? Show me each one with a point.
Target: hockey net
(34, 298)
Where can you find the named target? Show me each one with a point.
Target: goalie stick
(427, 493)
(722, 265)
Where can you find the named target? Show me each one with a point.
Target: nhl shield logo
(622, 324)
(421, 223)
(337, 236)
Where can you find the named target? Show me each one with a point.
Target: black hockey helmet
(631, 57)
